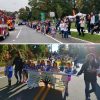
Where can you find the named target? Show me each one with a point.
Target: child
(62, 64)
(68, 70)
(8, 68)
(53, 31)
(43, 28)
(47, 78)
(48, 67)
(42, 64)
(25, 72)
(66, 30)
(38, 66)
(55, 68)
(33, 66)
(9, 73)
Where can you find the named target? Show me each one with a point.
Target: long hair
(88, 59)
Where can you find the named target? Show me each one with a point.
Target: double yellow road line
(44, 91)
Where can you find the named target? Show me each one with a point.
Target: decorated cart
(51, 78)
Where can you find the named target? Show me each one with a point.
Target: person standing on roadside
(62, 28)
(89, 68)
(78, 25)
(18, 67)
(66, 29)
(82, 26)
(92, 21)
(88, 18)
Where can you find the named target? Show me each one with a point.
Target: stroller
(96, 27)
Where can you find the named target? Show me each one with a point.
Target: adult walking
(78, 25)
(18, 67)
(89, 69)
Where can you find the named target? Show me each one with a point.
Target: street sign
(42, 16)
(52, 14)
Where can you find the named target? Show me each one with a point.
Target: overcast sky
(12, 5)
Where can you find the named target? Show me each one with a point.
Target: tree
(62, 50)
(61, 8)
(24, 13)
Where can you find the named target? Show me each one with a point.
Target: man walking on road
(18, 67)
(89, 69)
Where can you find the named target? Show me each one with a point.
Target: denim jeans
(65, 34)
(87, 88)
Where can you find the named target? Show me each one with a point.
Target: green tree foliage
(87, 6)
(61, 8)
(26, 51)
(24, 13)
(62, 49)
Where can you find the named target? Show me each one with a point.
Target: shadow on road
(29, 94)
(6, 92)
(98, 92)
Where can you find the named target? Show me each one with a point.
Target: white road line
(54, 39)
(2, 77)
(13, 40)
(19, 33)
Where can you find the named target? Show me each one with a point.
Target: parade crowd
(89, 22)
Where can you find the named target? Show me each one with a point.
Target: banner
(35, 77)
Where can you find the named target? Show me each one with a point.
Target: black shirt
(89, 75)
(18, 63)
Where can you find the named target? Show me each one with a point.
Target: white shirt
(92, 20)
(82, 23)
(65, 27)
(62, 26)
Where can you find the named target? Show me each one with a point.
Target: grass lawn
(88, 37)
(73, 25)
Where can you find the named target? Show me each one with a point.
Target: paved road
(24, 34)
(20, 92)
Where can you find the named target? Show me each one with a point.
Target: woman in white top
(92, 21)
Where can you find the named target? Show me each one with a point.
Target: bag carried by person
(9, 71)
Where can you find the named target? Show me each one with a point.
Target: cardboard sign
(35, 77)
